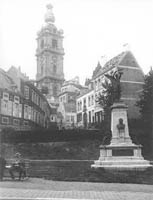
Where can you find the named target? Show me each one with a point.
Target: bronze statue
(115, 81)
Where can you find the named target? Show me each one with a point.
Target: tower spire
(49, 16)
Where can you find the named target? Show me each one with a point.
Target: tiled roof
(125, 58)
(115, 60)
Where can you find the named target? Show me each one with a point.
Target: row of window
(16, 122)
(92, 117)
(63, 99)
(70, 118)
(11, 108)
(90, 102)
(8, 97)
(32, 114)
(14, 108)
(35, 98)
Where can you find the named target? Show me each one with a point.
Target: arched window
(54, 69)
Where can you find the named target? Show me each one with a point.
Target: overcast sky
(92, 29)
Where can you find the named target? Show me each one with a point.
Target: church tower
(50, 55)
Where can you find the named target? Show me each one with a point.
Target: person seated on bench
(2, 166)
(18, 166)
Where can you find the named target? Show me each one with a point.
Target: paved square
(44, 189)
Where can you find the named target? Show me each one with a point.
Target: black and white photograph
(76, 99)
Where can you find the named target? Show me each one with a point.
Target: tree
(106, 100)
(146, 109)
(110, 94)
(146, 101)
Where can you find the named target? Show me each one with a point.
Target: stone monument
(121, 154)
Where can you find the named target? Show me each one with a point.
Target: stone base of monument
(121, 157)
(121, 154)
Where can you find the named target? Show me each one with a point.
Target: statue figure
(121, 128)
(115, 81)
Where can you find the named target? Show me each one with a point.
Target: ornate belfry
(50, 55)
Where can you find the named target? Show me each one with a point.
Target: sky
(94, 30)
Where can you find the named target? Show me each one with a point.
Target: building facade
(50, 55)
(67, 101)
(85, 107)
(131, 82)
(22, 106)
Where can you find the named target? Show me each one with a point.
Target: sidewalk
(40, 189)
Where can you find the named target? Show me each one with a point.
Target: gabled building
(131, 81)
(22, 105)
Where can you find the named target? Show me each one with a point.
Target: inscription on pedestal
(122, 152)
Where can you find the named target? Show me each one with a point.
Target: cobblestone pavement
(41, 189)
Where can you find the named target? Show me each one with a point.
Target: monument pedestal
(121, 154)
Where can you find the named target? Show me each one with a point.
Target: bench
(8, 166)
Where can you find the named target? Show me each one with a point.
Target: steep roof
(97, 70)
(5, 80)
(129, 60)
(125, 58)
